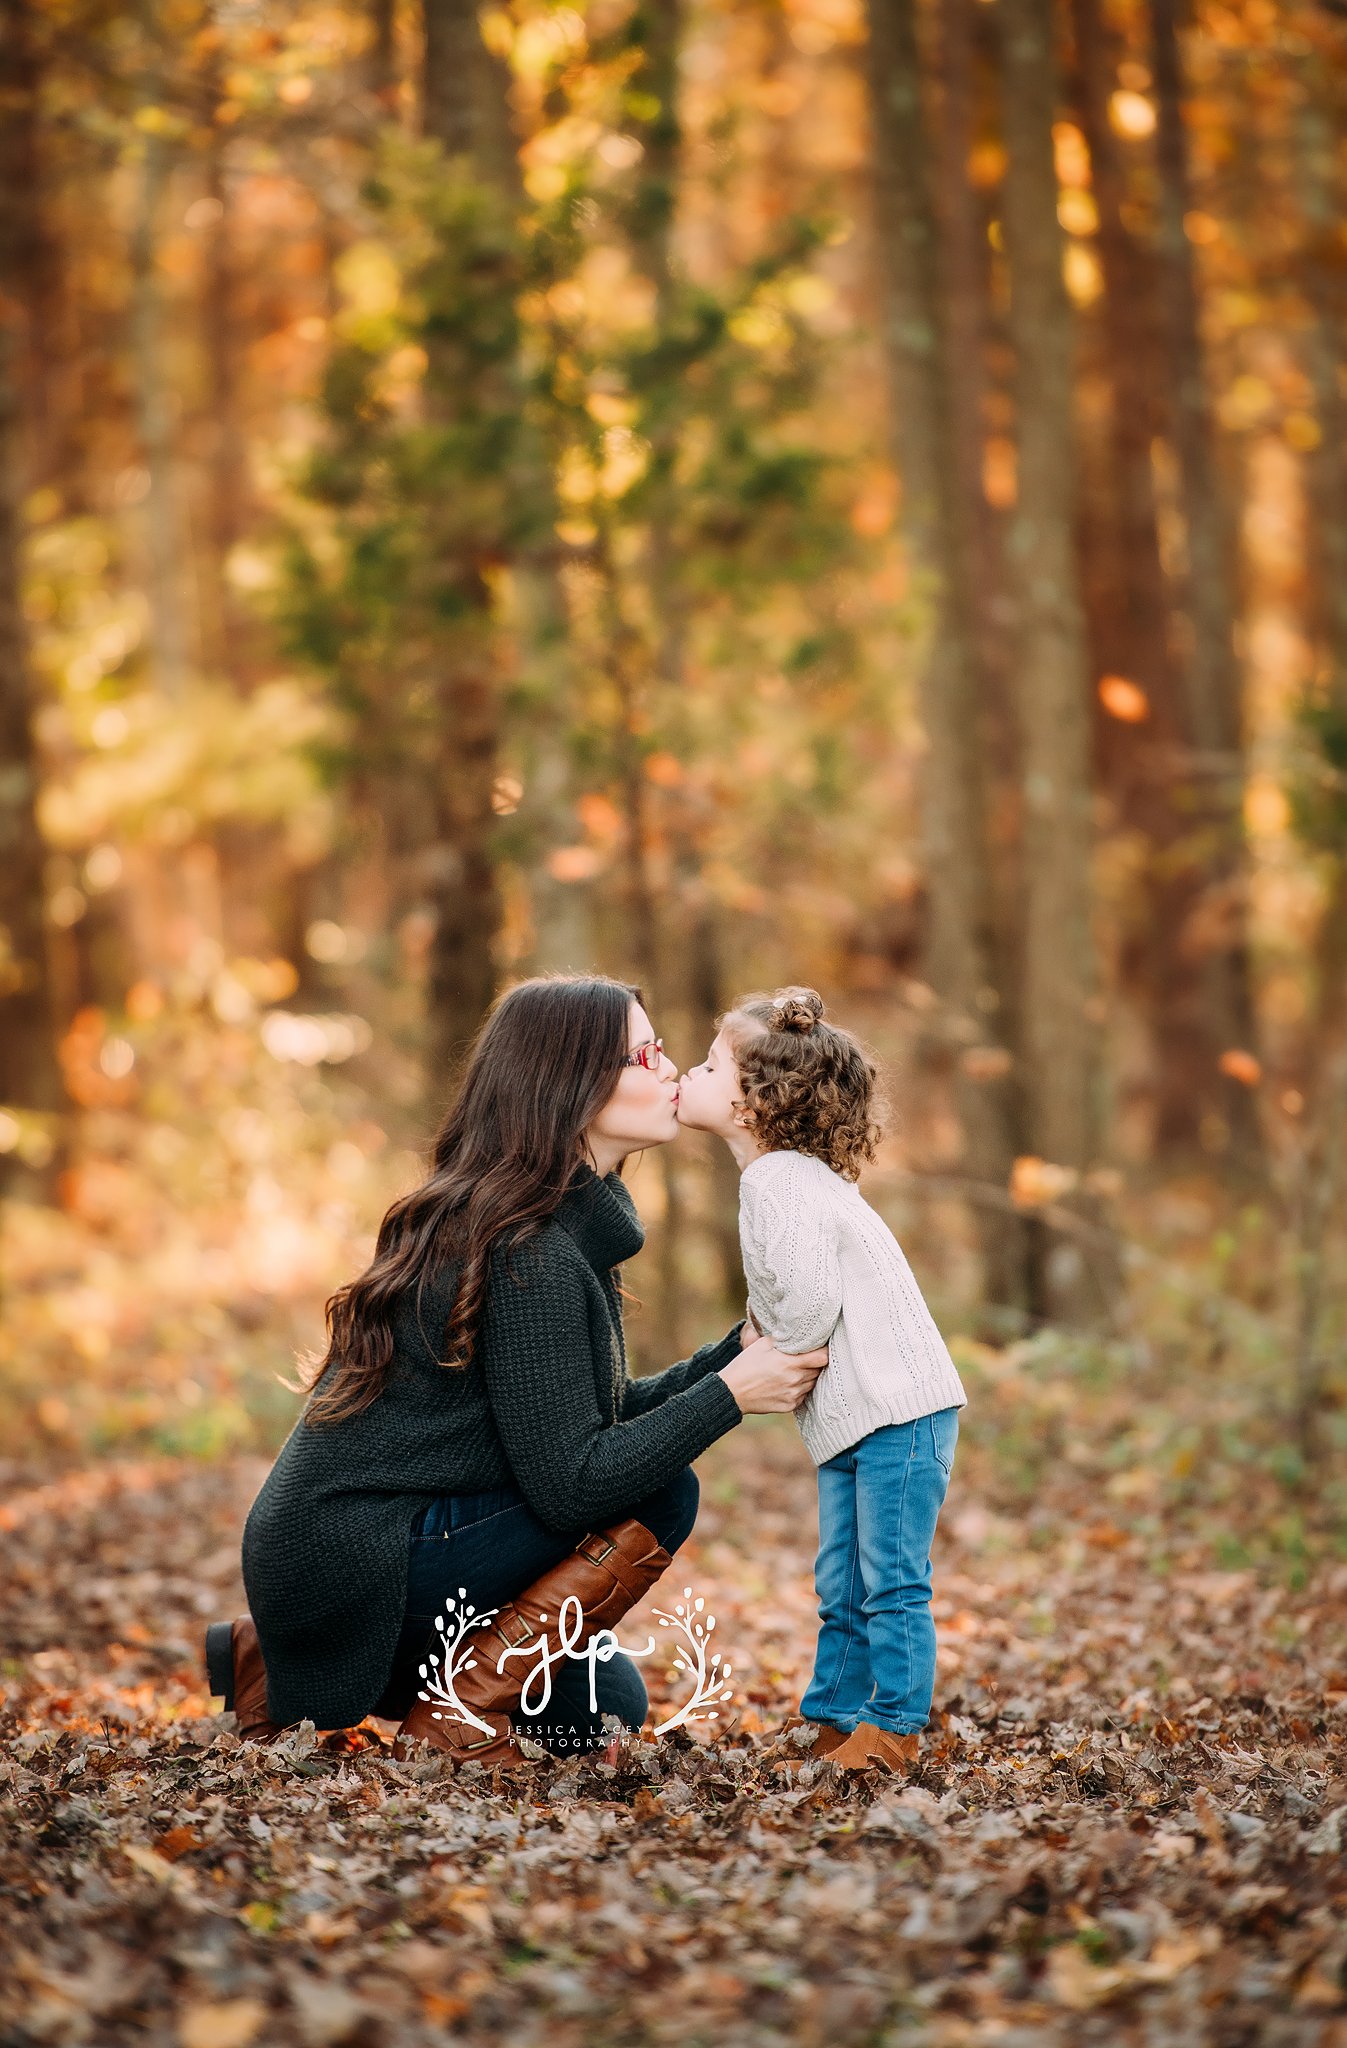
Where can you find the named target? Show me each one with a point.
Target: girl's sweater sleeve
(789, 1247)
(640, 1396)
(570, 1463)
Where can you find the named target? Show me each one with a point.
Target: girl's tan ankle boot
(880, 1750)
(825, 1742)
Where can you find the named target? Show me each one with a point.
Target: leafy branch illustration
(453, 1625)
(707, 1679)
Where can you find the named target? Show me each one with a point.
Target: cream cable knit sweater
(822, 1266)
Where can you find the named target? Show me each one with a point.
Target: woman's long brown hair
(544, 1063)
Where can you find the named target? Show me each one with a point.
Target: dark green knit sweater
(546, 1404)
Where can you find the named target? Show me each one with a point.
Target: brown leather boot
(607, 1573)
(880, 1750)
(234, 1668)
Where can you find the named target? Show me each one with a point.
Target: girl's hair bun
(796, 1009)
(807, 1083)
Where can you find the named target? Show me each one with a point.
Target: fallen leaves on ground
(1127, 1821)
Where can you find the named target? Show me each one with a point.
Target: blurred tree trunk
(381, 78)
(463, 108)
(465, 92)
(563, 936)
(710, 996)
(1133, 643)
(663, 665)
(46, 367)
(563, 909)
(1129, 620)
(979, 370)
(30, 1074)
(1318, 128)
(1062, 1009)
(161, 510)
(462, 970)
(228, 470)
(961, 944)
(1211, 672)
(962, 237)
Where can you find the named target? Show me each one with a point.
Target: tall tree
(1133, 643)
(659, 25)
(1130, 618)
(153, 128)
(463, 108)
(963, 275)
(464, 92)
(227, 510)
(435, 476)
(961, 947)
(381, 80)
(1211, 672)
(1317, 127)
(30, 1075)
(1061, 1005)
(1321, 798)
(466, 108)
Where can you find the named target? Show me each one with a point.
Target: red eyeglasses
(648, 1055)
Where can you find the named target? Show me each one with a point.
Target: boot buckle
(596, 1548)
(515, 1629)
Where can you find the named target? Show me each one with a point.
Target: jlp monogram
(457, 1622)
(601, 1648)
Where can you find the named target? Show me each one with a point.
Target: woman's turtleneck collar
(600, 1215)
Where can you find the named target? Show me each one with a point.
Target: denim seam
(907, 1618)
(854, 1565)
(457, 1528)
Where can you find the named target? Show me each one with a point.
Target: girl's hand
(765, 1381)
(750, 1334)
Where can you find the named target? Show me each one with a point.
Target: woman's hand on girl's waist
(765, 1381)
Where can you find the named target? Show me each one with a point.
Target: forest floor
(1127, 1822)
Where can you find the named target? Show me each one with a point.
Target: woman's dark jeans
(494, 1545)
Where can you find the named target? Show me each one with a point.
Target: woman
(472, 1424)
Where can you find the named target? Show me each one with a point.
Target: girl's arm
(790, 1260)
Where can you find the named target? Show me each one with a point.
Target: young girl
(790, 1093)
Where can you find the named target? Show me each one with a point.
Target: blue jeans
(877, 1505)
(493, 1544)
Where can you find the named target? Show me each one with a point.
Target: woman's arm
(570, 1464)
(640, 1396)
(789, 1248)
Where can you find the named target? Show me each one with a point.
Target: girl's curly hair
(808, 1085)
